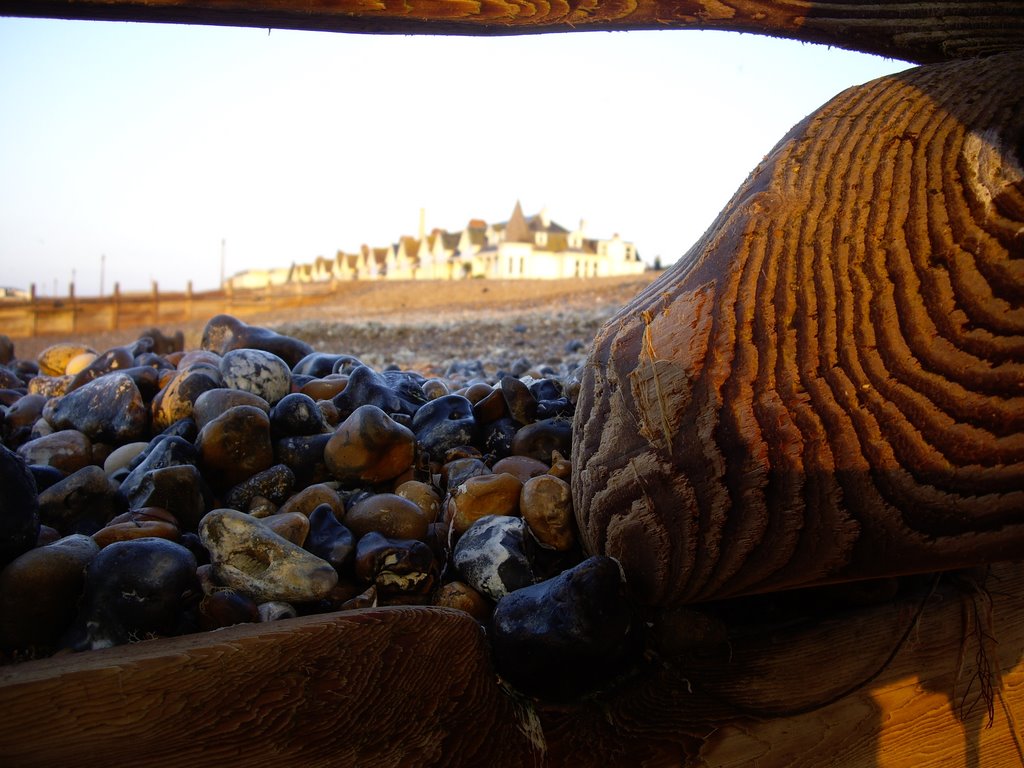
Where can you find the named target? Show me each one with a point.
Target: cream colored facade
(522, 248)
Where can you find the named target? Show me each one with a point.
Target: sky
(150, 152)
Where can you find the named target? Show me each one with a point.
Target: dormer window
(542, 239)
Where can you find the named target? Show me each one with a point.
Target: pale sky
(144, 145)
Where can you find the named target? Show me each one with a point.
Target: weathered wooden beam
(908, 681)
(830, 384)
(917, 30)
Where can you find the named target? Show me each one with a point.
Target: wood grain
(830, 384)
(919, 31)
(390, 686)
(804, 680)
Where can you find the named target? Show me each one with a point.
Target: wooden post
(155, 302)
(33, 309)
(188, 300)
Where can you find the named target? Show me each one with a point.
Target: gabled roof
(517, 230)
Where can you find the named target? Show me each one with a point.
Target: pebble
(254, 370)
(491, 556)
(480, 496)
(257, 479)
(444, 423)
(369, 446)
(133, 590)
(68, 450)
(224, 333)
(546, 507)
(398, 568)
(253, 560)
(83, 502)
(39, 592)
(19, 507)
(566, 636)
(330, 540)
(53, 361)
(235, 446)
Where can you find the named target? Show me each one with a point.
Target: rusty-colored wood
(919, 31)
(895, 684)
(830, 384)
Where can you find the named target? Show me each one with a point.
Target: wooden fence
(71, 314)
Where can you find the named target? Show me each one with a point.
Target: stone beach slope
(429, 326)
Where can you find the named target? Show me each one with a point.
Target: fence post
(188, 300)
(33, 309)
(155, 300)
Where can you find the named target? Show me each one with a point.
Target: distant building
(530, 248)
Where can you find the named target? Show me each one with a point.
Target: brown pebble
(366, 599)
(234, 446)
(68, 450)
(311, 497)
(476, 392)
(423, 496)
(546, 506)
(490, 408)
(138, 524)
(464, 598)
(480, 496)
(293, 526)
(523, 467)
(216, 402)
(261, 506)
(325, 388)
(561, 467)
(369, 446)
(390, 515)
(225, 608)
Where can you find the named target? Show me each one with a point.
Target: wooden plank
(793, 684)
(922, 31)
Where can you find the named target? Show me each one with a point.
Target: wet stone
(122, 456)
(423, 496)
(19, 507)
(253, 560)
(444, 423)
(49, 386)
(498, 436)
(235, 446)
(566, 636)
(224, 333)
(114, 359)
(134, 590)
(21, 415)
(369, 446)
(253, 370)
(491, 556)
(109, 409)
(39, 593)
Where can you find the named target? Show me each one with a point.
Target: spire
(517, 230)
